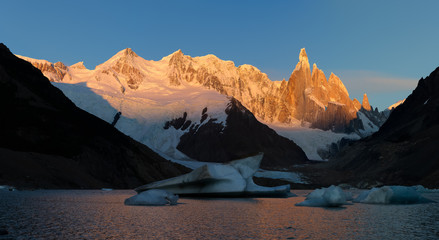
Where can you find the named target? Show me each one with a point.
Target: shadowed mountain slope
(46, 141)
(405, 149)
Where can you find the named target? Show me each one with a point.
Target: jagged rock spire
(303, 57)
(356, 103)
(365, 103)
(299, 80)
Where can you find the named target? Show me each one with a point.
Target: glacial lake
(95, 214)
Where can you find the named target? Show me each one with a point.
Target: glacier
(233, 179)
(332, 196)
(311, 140)
(391, 195)
(153, 197)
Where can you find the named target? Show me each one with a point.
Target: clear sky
(376, 47)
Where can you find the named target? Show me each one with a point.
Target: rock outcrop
(55, 72)
(241, 135)
(365, 103)
(357, 104)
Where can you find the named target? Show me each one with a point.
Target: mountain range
(148, 94)
(203, 108)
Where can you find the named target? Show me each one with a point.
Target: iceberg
(233, 179)
(332, 196)
(422, 189)
(7, 188)
(391, 195)
(154, 197)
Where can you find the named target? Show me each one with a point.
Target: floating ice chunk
(391, 195)
(106, 189)
(223, 180)
(326, 197)
(252, 189)
(152, 197)
(422, 189)
(7, 188)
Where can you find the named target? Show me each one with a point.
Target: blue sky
(378, 47)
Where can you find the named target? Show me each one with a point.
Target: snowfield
(311, 140)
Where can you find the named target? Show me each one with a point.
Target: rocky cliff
(306, 96)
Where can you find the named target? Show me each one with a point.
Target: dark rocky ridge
(405, 149)
(242, 136)
(47, 142)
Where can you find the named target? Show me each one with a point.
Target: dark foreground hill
(406, 148)
(47, 142)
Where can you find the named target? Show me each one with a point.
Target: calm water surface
(93, 214)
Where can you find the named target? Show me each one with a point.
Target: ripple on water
(86, 214)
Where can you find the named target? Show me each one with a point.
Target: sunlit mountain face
(309, 109)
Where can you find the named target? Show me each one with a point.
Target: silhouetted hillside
(405, 149)
(46, 141)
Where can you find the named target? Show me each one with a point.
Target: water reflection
(102, 215)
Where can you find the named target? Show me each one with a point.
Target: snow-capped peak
(249, 67)
(176, 53)
(125, 56)
(78, 65)
(128, 52)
